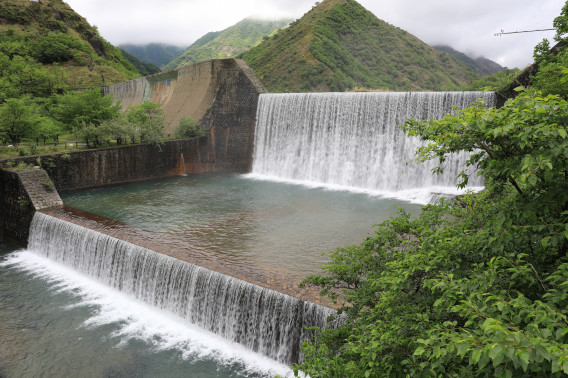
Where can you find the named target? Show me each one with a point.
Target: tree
(46, 129)
(119, 129)
(147, 119)
(94, 135)
(23, 76)
(18, 119)
(553, 66)
(474, 287)
(188, 128)
(73, 110)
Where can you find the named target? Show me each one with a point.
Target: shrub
(188, 128)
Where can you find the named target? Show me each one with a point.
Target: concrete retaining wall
(22, 193)
(93, 168)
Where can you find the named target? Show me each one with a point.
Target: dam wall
(221, 95)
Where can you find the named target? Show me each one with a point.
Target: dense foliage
(51, 33)
(49, 57)
(227, 43)
(142, 123)
(188, 128)
(473, 287)
(498, 82)
(89, 116)
(339, 45)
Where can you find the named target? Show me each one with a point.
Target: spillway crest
(353, 139)
(263, 320)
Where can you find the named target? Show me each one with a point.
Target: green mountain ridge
(481, 65)
(144, 68)
(227, 43)
(52, 35)
(158, 54)
(339, 45)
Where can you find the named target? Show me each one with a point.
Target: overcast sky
(466, 25)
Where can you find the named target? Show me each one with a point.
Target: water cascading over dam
(265, 321)
(352, 140)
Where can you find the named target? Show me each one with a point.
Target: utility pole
(522, 31)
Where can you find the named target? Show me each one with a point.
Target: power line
(522, 31)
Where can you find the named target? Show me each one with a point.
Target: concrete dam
(341, 142)
(222, 95)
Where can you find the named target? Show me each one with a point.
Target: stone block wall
(92, 168)
(232, 118)
(22, 193)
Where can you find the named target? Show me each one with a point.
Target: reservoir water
(280, 225)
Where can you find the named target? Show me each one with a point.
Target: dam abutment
(221, 95)
(22, 193)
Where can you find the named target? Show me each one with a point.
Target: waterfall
(263, 320)
(353, 140)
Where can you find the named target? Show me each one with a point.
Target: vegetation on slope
(475, 287)
(52, 34)
(227, 43)
(158, 54)
(339, 45)
(143, 68)
(52, 65)
(481, 65)
(497, 82)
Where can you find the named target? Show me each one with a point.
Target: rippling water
(277, 224)
(55, 322)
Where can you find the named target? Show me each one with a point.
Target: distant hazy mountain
(339, 45)
(480, 65)
(143, 68)
(227, 43)
(158, 54)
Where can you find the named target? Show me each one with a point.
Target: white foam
(422, 196)
(137, 320)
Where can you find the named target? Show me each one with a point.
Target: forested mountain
(227, 43)
(52, 67)
(44, 45)
(143, 68)
(339, 45)
(158, 54)
(481, 65)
